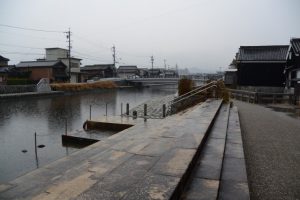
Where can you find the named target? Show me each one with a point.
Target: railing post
(127, 109)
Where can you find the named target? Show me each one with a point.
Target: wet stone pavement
(145, 161)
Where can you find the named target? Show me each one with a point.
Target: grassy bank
(83, 86)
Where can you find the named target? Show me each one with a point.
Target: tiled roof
(295, 42)
(97, 67)
(3, 58)
(131, 67)
(262, 53)
(38, 64)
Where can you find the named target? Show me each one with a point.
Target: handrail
(193, 94)
(196, 89)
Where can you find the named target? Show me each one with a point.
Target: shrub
(185, 85)
(18, 81)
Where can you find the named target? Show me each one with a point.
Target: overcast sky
(196, 34)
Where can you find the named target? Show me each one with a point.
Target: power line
(20, 46)
(30, 29)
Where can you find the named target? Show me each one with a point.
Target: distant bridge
(158, 81)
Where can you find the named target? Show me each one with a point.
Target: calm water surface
(20, 118)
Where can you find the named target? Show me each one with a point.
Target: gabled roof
(262, 53)
(97, 67)
(295, 43)
(126, 67)
(3, 58)
(36, 64)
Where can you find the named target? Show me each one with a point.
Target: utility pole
(152, 61)
(114, 55)
(176, 66)
(69, 51)
(165, 62)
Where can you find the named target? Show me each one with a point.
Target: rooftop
(3, 58)
(262, 53)
(295, 43)
(45, 63)
(97, 67)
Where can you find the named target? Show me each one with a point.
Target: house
(98, 71)
(127, 71)
(53, 70)
(156, 73)
(60, 54)
(143, 72)
(3, 70)
(261, 66)
(170, 73)
(292, 69)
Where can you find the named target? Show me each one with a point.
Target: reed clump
(185, 85)
(83, 86)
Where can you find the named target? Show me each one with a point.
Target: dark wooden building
(99, 71)
(292, 70)
(261, 65)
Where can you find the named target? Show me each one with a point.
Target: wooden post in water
(164, 110)
(35, 149)
(127, 109)
(106, 109)
(121, 109)
(145, 112)
(66, 127)
(90, 112)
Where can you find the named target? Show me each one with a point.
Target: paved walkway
(147, 161)
(272, 151)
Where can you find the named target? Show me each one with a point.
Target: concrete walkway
(272, 151)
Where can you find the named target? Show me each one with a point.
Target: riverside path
(272, 152)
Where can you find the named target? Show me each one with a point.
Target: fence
(262, 97)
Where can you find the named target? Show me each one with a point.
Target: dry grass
(83, 86)
(185, 85)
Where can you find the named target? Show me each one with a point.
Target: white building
(62, 55)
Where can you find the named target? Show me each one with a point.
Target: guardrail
(262, 97)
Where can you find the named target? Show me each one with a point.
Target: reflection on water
(20, 119)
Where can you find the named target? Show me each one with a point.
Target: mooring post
(35, 149)
(121, 109)
(106, 109)
(127, 109)
(90, 112)
(66, 127)
(145, 110)
(164, 110)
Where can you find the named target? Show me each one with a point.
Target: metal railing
(261, 97)
(189, 98)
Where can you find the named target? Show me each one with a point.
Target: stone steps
(220, 171)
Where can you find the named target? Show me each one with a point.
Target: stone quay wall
(8, 89)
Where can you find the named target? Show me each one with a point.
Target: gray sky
(201, 35)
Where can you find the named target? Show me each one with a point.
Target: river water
(21, 118)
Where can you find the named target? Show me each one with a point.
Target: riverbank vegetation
(185, 85)
(83, 86)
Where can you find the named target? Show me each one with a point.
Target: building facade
(261, 66)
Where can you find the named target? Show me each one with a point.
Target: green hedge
(18, 81)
